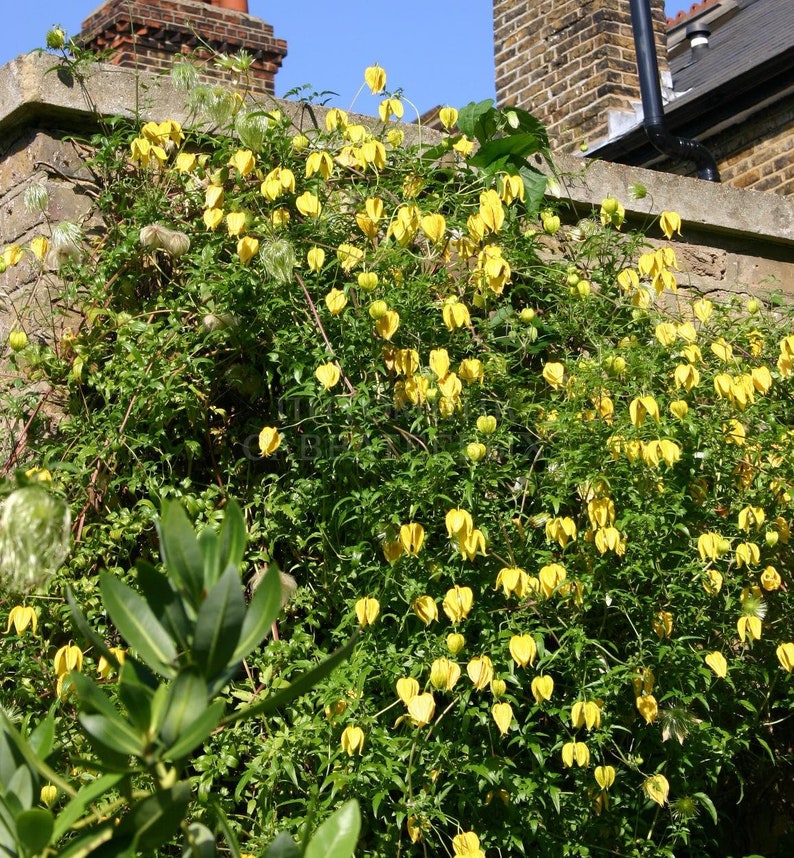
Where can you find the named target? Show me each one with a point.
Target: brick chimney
(572, 64)
(151, 34)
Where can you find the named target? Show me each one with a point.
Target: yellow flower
(375, 78)
(703, 308)
(426, 609)
(367, 610)
(448, 116)
(243, 161)
(319, 162)
(762, 379)
(747, 554)
(612, 212)
(20, 617)
(770, 579)
(480, 670)
(336, 301)
(212, 218)
(604, 776)
(657, 789)
(513, 580)
(713, 583)
(315, 258)
(378, 309)
(553, 374)
(457, 603)
(686, 376)
(413, 828)
(542, 688)
(502, 713)
(390, 107)
(662, 624)
(406, 361)
(17, 340)
(586, 713)
(475, 451)
(648, 707)
(458, 522)
(785, 655)
(186, 162)
(749, 626)
(335, 118)
(235, 222)
(39, 247)
(470, 370)
(523, 649)
(48, 795)
(407, 689)
(751, 516)
(444, 674)
(491, 211)
(439, 362)
(550, 578)
(512, 189)
(213, 197)
(367, 280)
(471, 544)
(716, 661)
(387, 324)
(722, 350)
(464, 146)
(349, 256)
(69, 657)
(486, 424)
(561, 530)
(467, 845)
(247, 248)
(421, 708)
(412, 537)
(269, 440)
(551, 222)
(328, 374)
(352, 740)
(575, 752)
(455, 642)
(433, 226)
(670, 222)
(642, 407)
(105, 668)
(308, 204)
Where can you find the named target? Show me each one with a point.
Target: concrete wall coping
(35, 88)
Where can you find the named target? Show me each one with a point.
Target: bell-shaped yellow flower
(751, 516)
(711, 546)
(542, 688)
(679, 408)
(186, 162)
(336, 301)
(315, 257)
(575, 752)
(586, 713)
(390, 107)
(687, 376)
(39, 247)
(352, 740)
(104, 667)
(69, 657)
(48, 794)
(328, 374)
(657, 789)
(269, 440)
(554, 374)
(426, 609)
(367, 281)
(367, 610)
(471, 370)
(212, 218)
(455, 642)
(513, 580)
(466, 845)
(434, 227)
(20, 617)
(770, 579)
(785, 655)
(407, 689)
(472, 544)
(308, 204)
(247, 248)
(235, 222)
(747, 554)
(716, 661)
(551, 576)
(458, 522)
(457, 603)
(512, 189)
(523, 649)
(648, 707)
(475, 451)
(491, 211)
(349, 256)
(604, 776)
(387, 324)
(502, 713)
(375, 78)
(486, 424)
(335, 118)
(749, 627)
(713, 582)
(439, 362)
(444, 674)
(421, 708)
(642, 407)
(480, 670)
(243, 161)
(448, 116)
(662, 624)
(378, 309)
(561, 530)
(17, 340)
(762, 379)
(412, 537)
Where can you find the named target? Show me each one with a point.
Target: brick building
(727, 73)
(151, 34)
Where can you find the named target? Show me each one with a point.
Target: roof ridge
(694, 9)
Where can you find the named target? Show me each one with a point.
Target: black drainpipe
(651, 92)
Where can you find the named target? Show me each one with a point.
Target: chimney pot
(698, 35)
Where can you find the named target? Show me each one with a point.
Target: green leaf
(219, 624)
(136, 691)
(82, 627)
(187, 695)
(157, 818)
(260, 614)
(34, 828)
(196, 732)
(111, 734)
(180, 551)
(708, 804)
(165, 601)
(87, 794)
(471, 118)
(233, 536)
(338, 835)
(534, 188)
(301, 685)
(520, 145)
(138, 625)
(42, 737)
(199, 842)
(282, 847)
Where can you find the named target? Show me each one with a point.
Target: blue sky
(437, 51)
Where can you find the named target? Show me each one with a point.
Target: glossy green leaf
(338, 835)
(43, 736)
(34, 829)
(520, 145)
(282, 847)
(136, 691)
(187, 697)
(199, 842)
(219, 624)
(180, 550)
(84, 798)
(196, 731)
(165, 601)
(262, 610)
(82, 627)
(138, 625)
(111, 734)
(232, 536)
(155, 820)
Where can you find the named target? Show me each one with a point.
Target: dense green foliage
(445, 414)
